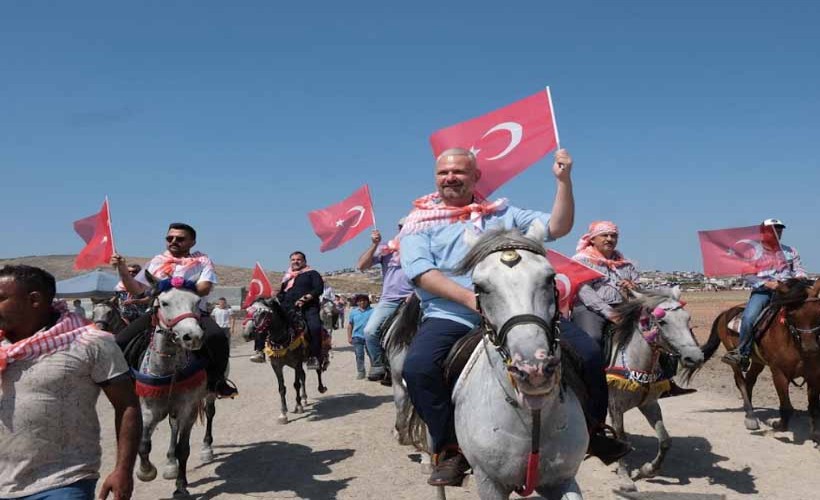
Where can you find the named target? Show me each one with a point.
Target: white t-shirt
(197, 268)
(222, 317)
(49, 431)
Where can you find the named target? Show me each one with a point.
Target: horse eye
(479, 289)
(164, 304)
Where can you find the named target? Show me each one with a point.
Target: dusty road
(342, 446)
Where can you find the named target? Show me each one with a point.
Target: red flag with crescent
(569, 276)
(506, 141)
(258, 287)
(95, 230)
(341, 222)
(739, 250)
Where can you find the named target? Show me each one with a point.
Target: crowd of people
(53, 364)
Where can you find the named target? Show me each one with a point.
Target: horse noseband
(499, 337)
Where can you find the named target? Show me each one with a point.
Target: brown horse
(789, 347)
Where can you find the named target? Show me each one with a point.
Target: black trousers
(314, 326)
(216, 348)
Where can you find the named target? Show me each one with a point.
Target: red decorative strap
(532, 475)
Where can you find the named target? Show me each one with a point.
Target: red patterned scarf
(170, 263)
(290, 276)
(69, 327)
(586, 250)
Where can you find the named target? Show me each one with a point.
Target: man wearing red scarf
(53, 365)
(301, 289)
(431, 246)
(178, 261)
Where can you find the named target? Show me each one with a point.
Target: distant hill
(62, 267)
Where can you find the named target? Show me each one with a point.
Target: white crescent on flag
(258, 283)
(756, 245)
(359, 209)
(516, 134)
(564, 280)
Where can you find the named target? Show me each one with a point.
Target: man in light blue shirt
(431, 246)
(355, 331)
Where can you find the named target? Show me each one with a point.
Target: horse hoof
(170, 472)
(146, 475)
(645, 472)
(283, 419)
(322, 389)
(205, 456)
(779, 425)
(627, 486)
(751, 424)
(182, 493)
(298, 409)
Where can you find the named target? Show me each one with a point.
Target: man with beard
(301, 289)
(431, 247)
(179, 261)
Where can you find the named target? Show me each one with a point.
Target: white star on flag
(340, 223)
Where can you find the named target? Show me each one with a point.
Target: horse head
(269, 319)
(105, 313)
(515, 289)
(177, 311)
(800, 299)
(662, 321)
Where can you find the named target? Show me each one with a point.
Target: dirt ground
(342, 446)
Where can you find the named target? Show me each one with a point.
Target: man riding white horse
(301, 289)
(179, 261)
(594, 308)
(431, 246)
(783, 262)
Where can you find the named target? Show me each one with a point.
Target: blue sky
(240, 117)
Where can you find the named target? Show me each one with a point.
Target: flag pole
(110, 229)
(372, 210)
(554, 123)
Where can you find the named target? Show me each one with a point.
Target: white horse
(520, 428)
(651, 323)
(181, 381)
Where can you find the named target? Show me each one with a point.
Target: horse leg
(171, 468)
(616, 414)
(653, 414)
(150, 418)
(280, 377)
(183, 452)
(751, 377)
(206, 454)
(488, 489)
(750, 420)
(297, 386)
(322, 388)
(814, 414)
(781, 385)
(565, 491)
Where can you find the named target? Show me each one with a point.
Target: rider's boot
(223, 388)
(736, 358)
(450, 467)
(676, 390)
(258, 357)
(604, 445)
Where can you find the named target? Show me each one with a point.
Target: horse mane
(406, 324)
(273, 304)
(630, 312)
(792, 293)
(493, 241)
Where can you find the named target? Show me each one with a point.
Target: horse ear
(676, 292)
(537, 231)
(150, 278)
(470, 236)
(638, 295)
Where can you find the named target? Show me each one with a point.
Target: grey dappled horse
(653, 322)
(329, 315)
(270, 320)
(106, 315)
(510, 394)
(175, 336)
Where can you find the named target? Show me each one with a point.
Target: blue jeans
(757, 302)
(359, 349)
(81, 490)
(380, 313)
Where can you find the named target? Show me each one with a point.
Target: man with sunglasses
(131, 306)
(179, 261)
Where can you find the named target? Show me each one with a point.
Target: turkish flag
(339, 223)
(569, 276)
(258, 287)
(739, 250)
(506, 141)
(95, 230)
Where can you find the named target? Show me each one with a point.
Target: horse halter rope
(650, 327)
(796, 332)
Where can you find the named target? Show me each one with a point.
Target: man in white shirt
(196, 267)
(222, 315)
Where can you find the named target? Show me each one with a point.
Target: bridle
(796, 332)
(498, 337)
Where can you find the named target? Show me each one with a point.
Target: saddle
(135, 349)
(762, 323)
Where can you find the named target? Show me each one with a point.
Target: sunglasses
(171, 239)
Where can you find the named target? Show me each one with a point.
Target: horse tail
(714, 341)
(406, 324)
(416, 429)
